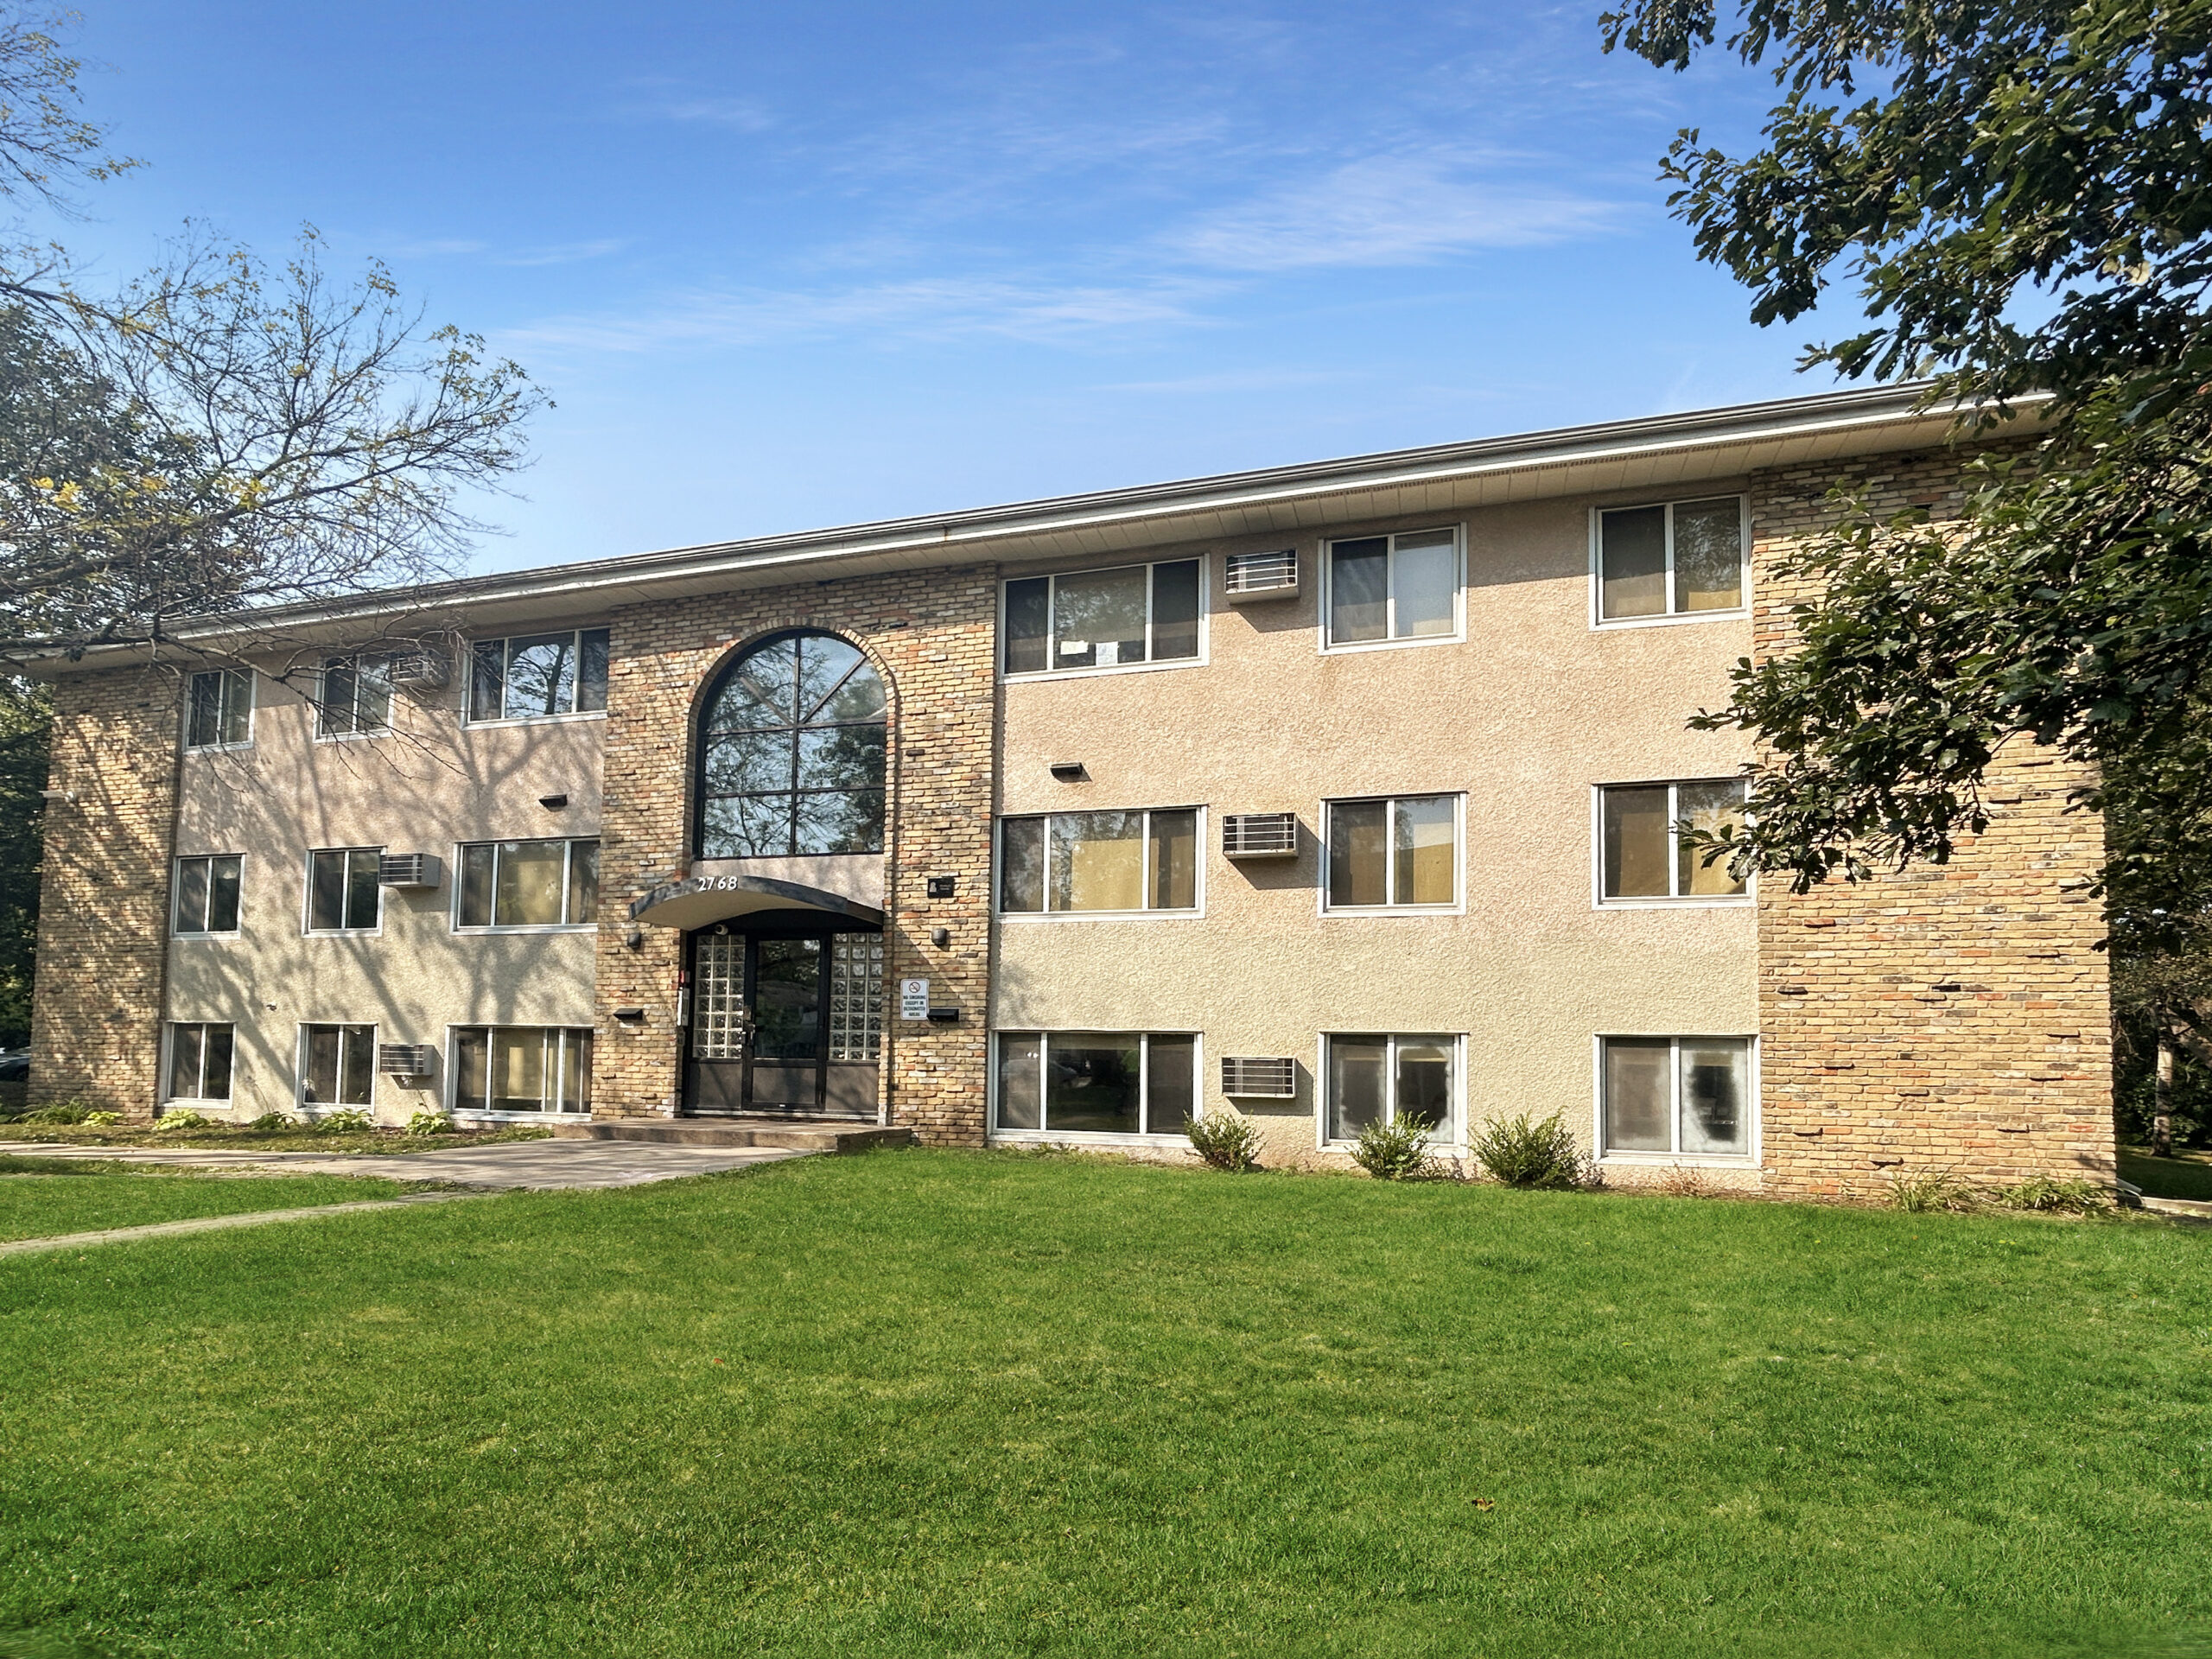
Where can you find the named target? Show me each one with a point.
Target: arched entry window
(792, 752)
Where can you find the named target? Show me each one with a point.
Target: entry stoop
(742, 1132)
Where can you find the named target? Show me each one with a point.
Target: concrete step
(798, 1135)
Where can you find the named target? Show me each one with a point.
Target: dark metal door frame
(773, 927)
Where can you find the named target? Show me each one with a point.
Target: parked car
(16, 1067)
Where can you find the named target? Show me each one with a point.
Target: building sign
(914, 999)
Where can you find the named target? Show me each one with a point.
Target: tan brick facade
(931, 635)
(96, 1009)
(1949, 1017)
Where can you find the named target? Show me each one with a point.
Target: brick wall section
(103, 931)
(931, 634)
(1950, 1017)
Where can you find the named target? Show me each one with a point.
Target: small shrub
(170, 1121)
(1930, 1190)
(1520, 1152)
(270, 1124)
(346, 1122)
(2073, 1198)
(101, 1119)
(429, 1123)
(1396, 1151)
(1226, 1141)
(62, 1114)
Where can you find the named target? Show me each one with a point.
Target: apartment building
(1321, 794)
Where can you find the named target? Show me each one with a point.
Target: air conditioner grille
(408, 870)
(1259, 834)
(1263, 573)
(1257, 1078)
(403, 1059)
(424, 667)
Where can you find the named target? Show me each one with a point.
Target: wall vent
(1263, 575)
(424, 667)
(403, 1059)
(1255, 1078)
(408, 870)
(1259, 834)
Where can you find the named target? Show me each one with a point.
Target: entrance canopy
(700, 899)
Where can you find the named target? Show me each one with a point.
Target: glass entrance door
(785, 1022)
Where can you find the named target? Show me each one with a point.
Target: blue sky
(790, 265)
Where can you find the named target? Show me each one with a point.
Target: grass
(244, 1137)
(2186, 1175)
(44, 1199)
(923, 1403)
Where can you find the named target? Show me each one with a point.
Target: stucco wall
(429, 784)
(1525, 716)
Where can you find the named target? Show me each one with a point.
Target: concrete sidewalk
(544, 1164)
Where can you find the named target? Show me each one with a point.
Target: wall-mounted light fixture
(941, 937)
(633, 940)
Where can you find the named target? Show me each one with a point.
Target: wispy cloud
(939, 309)
(744, 114)
(1231, 381)
(565, 253)
(1387, 210)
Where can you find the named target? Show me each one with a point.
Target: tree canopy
(221, 433)
(2019, 191)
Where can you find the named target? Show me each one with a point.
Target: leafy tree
(2019, 190)
(217, 436)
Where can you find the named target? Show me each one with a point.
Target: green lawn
(925, 1402)
(45, 1204)
(2185, 1175)
(244, 1137)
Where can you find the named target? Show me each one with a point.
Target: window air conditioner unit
(1263, 575)
(408, 870)
(403, 1059)
(1253, 1078)
(424, 667)
(1259, 834)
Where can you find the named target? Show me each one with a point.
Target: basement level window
(1078, 1083)
(200, 1062)
(538, 676)
(338, 1065)
(1687, 1097)
(1384, 1079)
(219, 709)
(1122, 618)
(522, 1069)
(1675, 558)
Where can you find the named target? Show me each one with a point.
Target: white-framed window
(1372, 1078)
(520, 1069)
(338, 1065)
(1675, 1097)
(199, 1062)
(1391, 590)
(207, 895)
(1127, 617)
(219, 709)
(1093, 863)
(1644, 853)
(527, 884)
(353, 697)
(1669, 559)
(1086, 1083)
(343, 895)
(1395, 852)
(538, 676)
